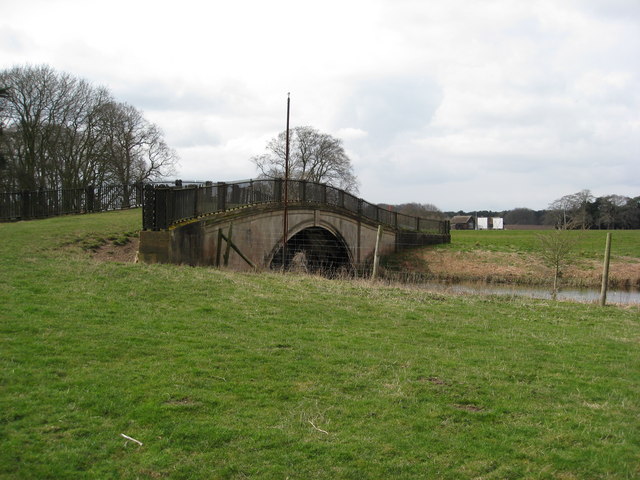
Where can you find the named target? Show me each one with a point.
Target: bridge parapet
(166, 206)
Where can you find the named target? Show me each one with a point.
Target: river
(622, 297)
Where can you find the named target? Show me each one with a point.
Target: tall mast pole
(285, 226)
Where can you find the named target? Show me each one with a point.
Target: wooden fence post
(219, 247)
(605, 271)
(228, 249)
(376, 258)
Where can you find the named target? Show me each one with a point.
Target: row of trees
(579, 210)
(582, 210)
(59, 131)
(422, 210)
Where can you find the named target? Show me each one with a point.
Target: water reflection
(623, 297)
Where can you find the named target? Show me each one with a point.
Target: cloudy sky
(466, 104)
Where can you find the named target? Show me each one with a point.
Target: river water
(622, 297)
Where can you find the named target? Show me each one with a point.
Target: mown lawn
(225, 375)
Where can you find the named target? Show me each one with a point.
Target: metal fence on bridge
(166, 205)
(27, 205)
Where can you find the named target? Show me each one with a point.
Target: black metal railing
(167, 205)
(27, 205)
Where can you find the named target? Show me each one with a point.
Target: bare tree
(581, 201)
(313, 156)
(63, 132)
(76, 149)
(4, 93)
(571, 211)
(556, 251)
(26, 112)
(50, 139)
(134, 148)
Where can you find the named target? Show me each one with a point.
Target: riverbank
(526, 269)
(514, 258)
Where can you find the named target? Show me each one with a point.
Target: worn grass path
(224, 375)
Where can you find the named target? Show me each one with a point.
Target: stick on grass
(319, 429)
(132, 439)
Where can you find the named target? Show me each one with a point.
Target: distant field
(589, 243)
(225, 375)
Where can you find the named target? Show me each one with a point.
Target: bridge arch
(313, 248)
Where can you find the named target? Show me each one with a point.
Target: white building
(490, 223)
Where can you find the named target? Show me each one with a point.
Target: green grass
(225, 375)
(589, 243)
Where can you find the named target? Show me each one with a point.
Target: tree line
(580, 210)
(59, 131)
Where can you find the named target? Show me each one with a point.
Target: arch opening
(314, 250)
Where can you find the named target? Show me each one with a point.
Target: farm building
(490, 223)
(463, 222)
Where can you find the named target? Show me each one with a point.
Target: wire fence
(27, 205)
(167, 205)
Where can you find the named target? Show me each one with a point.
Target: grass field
(588, 243)
(225, 375)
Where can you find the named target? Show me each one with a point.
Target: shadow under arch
(314, 250)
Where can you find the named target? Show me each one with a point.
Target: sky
(463, 104)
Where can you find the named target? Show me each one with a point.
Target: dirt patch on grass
(116, 252)
(468, 407)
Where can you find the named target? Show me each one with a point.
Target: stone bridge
(241, 225)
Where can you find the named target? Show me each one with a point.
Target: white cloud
(350, 133)
(463, 104)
